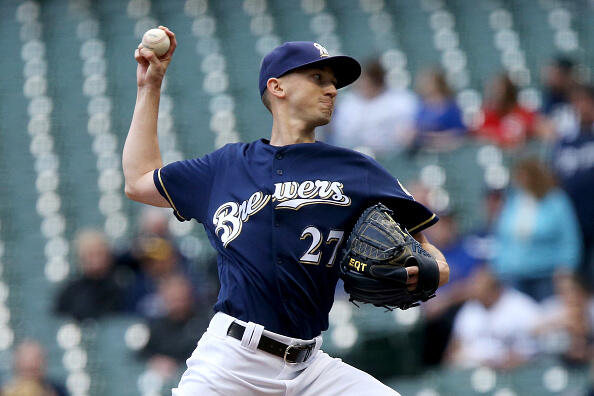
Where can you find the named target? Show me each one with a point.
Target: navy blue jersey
(277, 217)
(573, 162)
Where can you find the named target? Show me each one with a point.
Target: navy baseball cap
(295, 54)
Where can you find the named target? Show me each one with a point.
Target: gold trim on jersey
(310, 251)
(168, 196)
(311, 202)
(411, 230)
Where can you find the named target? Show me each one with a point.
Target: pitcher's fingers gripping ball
(157, 41)
(377, 253)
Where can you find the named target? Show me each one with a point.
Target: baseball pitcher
(279, 213)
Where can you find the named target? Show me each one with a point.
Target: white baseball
(157, 41)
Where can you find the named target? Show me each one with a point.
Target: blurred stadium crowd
(116, 309)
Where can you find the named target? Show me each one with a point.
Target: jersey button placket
(279, 156)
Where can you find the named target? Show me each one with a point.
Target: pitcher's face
(310, 93)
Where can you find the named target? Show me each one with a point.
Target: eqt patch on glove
(373, 266)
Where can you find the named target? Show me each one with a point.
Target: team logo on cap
(323, 51)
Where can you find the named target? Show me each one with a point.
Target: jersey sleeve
(385, 188)
(187, 184)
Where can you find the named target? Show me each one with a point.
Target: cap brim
(346, 69)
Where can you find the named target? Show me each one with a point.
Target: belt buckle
(306, 348)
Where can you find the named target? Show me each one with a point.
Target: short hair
(563, 63)
(266, 101)
(375, 71)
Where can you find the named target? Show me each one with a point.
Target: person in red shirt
(503, 120)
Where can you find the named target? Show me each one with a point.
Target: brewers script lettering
(230, 216)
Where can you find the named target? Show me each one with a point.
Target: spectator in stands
(558, 82)
(566, 321)
(503, 120)
(495, 327)
(441, 310)
(573, 162)
(153, 253)
(159, 260)
(481, 241)
(173, 337)
(152, 222)
(438, 123)
(30, 377)
(94, 292)
(537, 233)
(373, 115)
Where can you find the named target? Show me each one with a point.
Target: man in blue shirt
(277, 212)
(573, 163)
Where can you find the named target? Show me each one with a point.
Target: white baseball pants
(224, 366)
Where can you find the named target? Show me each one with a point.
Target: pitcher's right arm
(141, 155)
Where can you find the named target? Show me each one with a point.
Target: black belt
(292, 354)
